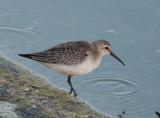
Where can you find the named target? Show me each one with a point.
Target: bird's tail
(35, 56)
(26, 55)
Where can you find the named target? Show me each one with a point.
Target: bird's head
(105, 48)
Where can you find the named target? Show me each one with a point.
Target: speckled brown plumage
(70, 53)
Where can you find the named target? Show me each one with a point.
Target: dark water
(132, 27)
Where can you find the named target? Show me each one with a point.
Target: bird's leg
(70, 83)
(70, 92)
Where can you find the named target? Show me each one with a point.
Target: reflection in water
(113, 86)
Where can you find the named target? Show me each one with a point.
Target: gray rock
(30, 96)
(7, 110)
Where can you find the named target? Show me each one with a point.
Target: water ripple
(28, 30)
(16, 29)
(113, 86)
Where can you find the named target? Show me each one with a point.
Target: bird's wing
(69, 53)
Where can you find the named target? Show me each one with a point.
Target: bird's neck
(96, 51)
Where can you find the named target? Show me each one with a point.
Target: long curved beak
(116, 57)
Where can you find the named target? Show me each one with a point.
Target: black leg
(72, 89)
(70, 92)
(69, 82)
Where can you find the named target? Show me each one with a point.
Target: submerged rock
(30, 96)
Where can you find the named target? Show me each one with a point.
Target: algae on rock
(34, 97)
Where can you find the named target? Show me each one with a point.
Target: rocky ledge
(24, 94)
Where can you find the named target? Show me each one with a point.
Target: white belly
(81, 69)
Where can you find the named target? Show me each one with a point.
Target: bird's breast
(75, 70)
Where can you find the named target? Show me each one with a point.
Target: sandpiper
(74, 58)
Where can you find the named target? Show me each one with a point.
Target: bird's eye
(107, 48)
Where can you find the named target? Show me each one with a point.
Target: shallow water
(132, 27)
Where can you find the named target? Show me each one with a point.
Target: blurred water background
(132, 27)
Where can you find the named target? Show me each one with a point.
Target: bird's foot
(75, 95)
(70, 92)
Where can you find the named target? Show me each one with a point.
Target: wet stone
(4, 88)
(7, 110)
(30, 112)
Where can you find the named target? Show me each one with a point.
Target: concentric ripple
(113, 86)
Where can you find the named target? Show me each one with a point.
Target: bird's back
(70, 53)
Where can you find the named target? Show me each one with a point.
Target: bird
(74, 58)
